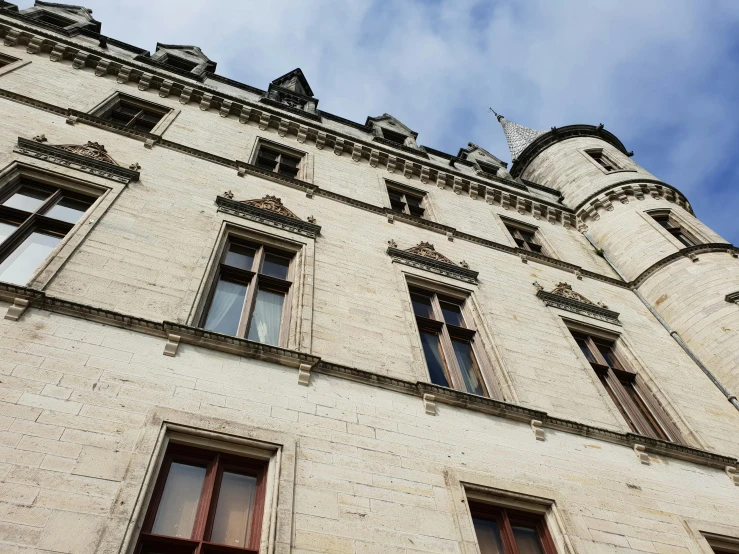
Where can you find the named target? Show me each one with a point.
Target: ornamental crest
(564, 289)
(272, 204)
(426, 249)
(92, 150)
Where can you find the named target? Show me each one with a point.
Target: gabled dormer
(391, 131)
(61, 17)
(482, 160)
(183, 58)
(292, 92)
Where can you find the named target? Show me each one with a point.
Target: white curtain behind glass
(232, 523)
(265, 323)
(179, 504)
(225, 310)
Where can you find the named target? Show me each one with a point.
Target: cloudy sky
(660, 74)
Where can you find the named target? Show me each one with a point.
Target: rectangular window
(278, 161)
(407, 202)
(394, 136)
(205, 501)
(6, 60)
(53, 19)
(487, 168)
(179, 63)
(525, 237)
(668, 222)
(132, 112)
(636, 404)
(505, 531)
(248, 297)
(34, 218)
(448, 342)
(603, 160)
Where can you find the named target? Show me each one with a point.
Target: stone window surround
(709, 535)
(625, 349)
(490, 361)
(427, 205)
(305, 171)
(106, 195)
(547, 249)
(466, 485)
(299, 300)
(612, 155)
(690, 230)
(164, 426)
(158, 129)
(14, 62)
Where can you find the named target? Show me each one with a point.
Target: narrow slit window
(34, 218)
(666, 221)
(603, 160)
(634, 401)
(249, 293)
(205, 501)
(448, 342)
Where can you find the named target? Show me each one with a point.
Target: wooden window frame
(674, 227)
(107, 108)
(515, 229)
(280, 151)
(403, 206)
(255, 281)
(36, 221)
(215, 463)
(506, 517)
(446, 332)
(627, 390)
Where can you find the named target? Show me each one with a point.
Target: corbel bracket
(173, 341)
(429, 404)
(641, 453)
(14, 313)
(536, 427)
(304, 374)
(733, 474)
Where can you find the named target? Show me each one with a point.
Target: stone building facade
(234, 322)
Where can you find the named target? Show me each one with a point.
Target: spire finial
(496, 114)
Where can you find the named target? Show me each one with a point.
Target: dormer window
(600, 157)
(179, 63)
(393, 136)
(53, 19)
(487, 168)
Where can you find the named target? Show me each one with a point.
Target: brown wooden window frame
(506, 518)
(667, 221)
(279, 165)
(627, 390)
(402, 203)
(255, 281)
(144, 112)
(448, 334)
(517, 230)
(36, 221)
(215, 462)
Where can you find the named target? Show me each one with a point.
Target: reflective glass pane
(20, 265)
(179, 505)
(68, 209)
(422, 306)
(236, 499)
(225, 310)
(265, 323)
(452, 314)
(527, 540)
(240, 256)
(434, 358)
(582, 343)
(275, 266)
(468, 365)
(488, 536)
(27, 199)
(6, 229)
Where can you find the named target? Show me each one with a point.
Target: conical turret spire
(518, 136)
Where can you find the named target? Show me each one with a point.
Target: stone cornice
(510, 201)
(291, 358)
(58, 156)
(253, 213)
(126, 70)
(434, 266)
(690, 253)
(574, 306)
(556, 135)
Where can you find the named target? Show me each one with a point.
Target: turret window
(600, 157)
(394, 136)
(671, 226)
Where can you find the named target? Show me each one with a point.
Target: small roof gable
(81, 16)
(393, 122)
(473, 151)
(79, 11)
(295, 81)
(189, 51)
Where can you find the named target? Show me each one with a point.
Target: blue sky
(662, 75)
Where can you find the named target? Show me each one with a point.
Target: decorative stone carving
(92, 150)
(40, 138)
(268, 211)
(424, 256)
(272, 204)
(228, 194)
(564, 298)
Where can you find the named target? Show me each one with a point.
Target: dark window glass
(504, 531)
(422, 305)
(452, 313)
(488, 536)
(406, 202)
(240, 256)
(134, 113)
(527, 540)
(434, 358)
(276, 266)
(55, 20)
(393, 136)
(180, 63)
(279, 162)
(468, 365)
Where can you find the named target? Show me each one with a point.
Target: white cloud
(661, 74)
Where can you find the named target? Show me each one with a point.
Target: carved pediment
(92, 150)
(564, 298)
(565, 289)
(426, 249)
(272, 204)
